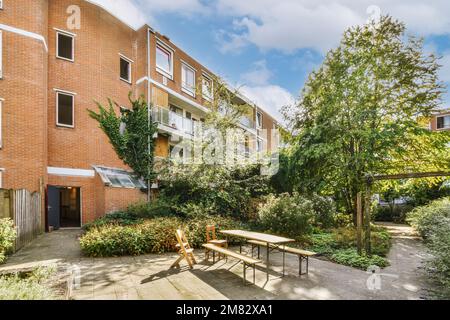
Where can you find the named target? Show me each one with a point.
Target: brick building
(440, 120)
(52, 71)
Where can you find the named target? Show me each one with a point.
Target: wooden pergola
(364, 217)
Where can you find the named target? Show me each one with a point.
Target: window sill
(164, 73)
(65, 126)
(188, 92)
(65, 59)
(125, 80)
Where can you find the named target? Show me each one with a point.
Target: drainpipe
(149, 100)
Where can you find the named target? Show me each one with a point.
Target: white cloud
(259, 75)
(126, 10)
(288, 25)
(445, 70)
(270, 98)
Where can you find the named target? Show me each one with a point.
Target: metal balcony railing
(173, 120)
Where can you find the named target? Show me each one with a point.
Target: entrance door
(64, 207)
(54, 206)
(70, 207)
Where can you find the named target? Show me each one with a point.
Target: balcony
(173, 120)
(247, 122)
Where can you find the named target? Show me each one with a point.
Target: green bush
(324, 211)
(160, 207)
(433, 223)
(379, 238)
(149, 236)
(116, 218)
(287, 215)
(343, 220)
(350, 257)
(395, 214)
(424, 218)
(7, 237)
(219, 190)
(439, 267)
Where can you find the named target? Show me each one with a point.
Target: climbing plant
(131, 134)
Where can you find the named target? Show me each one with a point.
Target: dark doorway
(64, 207)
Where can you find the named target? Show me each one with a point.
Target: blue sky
(268, 47)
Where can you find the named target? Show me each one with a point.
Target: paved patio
(149, 276)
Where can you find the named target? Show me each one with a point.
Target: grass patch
(27, 286)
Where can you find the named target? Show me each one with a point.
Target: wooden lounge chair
(185, 251)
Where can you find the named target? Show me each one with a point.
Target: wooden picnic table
(268, 239)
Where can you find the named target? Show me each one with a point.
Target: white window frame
(1, 54)
(1, 4)
(167, 49)
(258, 124)
(184, 87)
(67, 93)
(209, 95)
(259, 142)
(130, 72)
(1, 123)
(67, 34)
(443, 116)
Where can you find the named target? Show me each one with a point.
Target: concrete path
(149, 276)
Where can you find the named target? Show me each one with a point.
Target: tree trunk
(367, 202)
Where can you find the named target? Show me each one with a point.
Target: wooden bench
(246, 260)
(303, 255)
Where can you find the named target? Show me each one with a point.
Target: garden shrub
(292, 216)
(324, 211)
(116, 218)
(424, 218)
(439, 267)
(350, 257)
(219, 190)
(396, 214)
(149, 236)
(433, 223)
(343, 220)
(379, 238)
(7, 237)
(159, 207)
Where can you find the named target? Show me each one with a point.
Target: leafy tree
(359, 113)
(131, 134)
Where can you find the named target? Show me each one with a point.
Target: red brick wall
(94, 76)
(433, 121)
(24, 90)
(31, 140)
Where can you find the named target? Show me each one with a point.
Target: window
(119, 178)
(176, 152)
(65, 45)
(164, 61)
(259, 120)
(259, 145)
(207, 88)
(125, 69)
(188, 79)
(1, 54)
(1, 4)
(443, 122)
(65, 110)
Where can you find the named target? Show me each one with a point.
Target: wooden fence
(25, 210)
